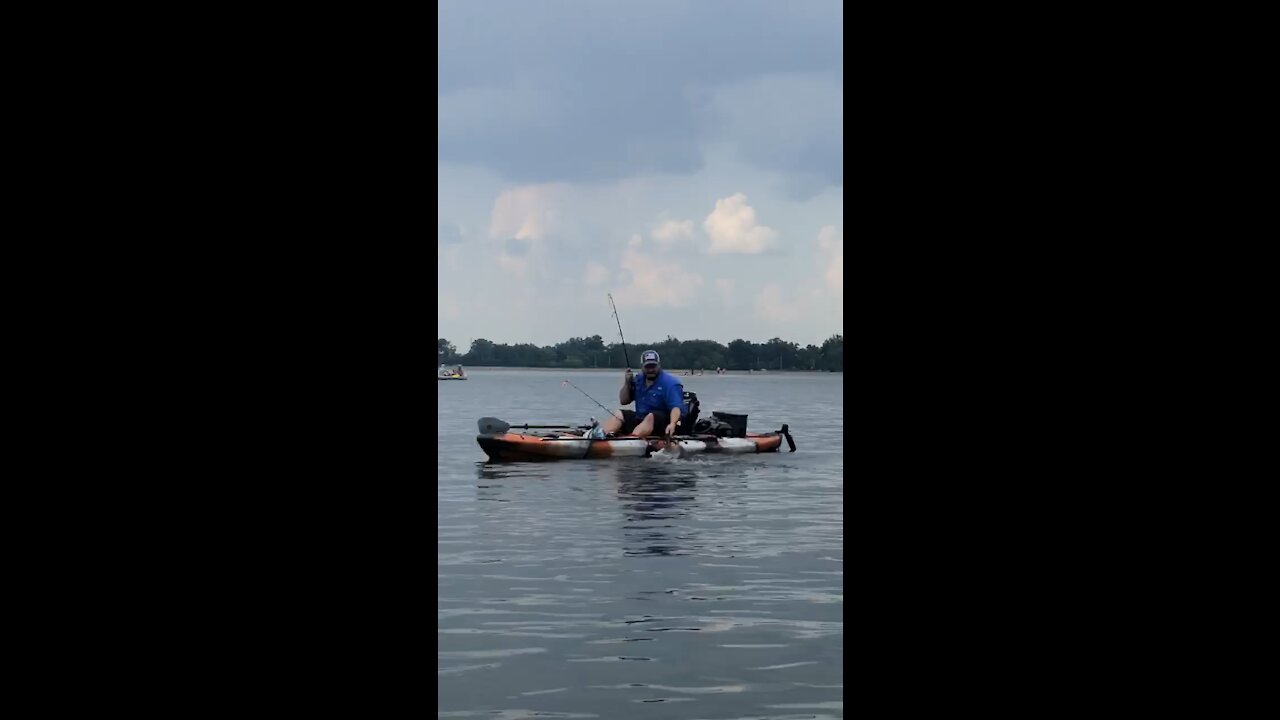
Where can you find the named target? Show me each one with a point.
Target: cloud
(787, 123)
(656, 282)
(529, 212)
(831, 242)
(671, 231)
(562, 90)
(733, 229)
(566, 133)
(538, 128)
(596, 274)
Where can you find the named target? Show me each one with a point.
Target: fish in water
(672, 448)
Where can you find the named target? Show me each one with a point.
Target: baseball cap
(650, 357)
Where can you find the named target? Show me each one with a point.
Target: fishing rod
(497, 426)
(584, 392)
(624, 340)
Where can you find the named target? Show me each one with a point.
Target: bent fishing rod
(597, 402)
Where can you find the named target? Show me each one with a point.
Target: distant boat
(451, 373)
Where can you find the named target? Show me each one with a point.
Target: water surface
(706, 587)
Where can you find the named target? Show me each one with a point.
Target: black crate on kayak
(737, 422)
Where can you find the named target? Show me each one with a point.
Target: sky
(685, 156)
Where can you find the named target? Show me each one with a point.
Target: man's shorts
(630, 421)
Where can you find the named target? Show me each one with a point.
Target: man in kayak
(659, 399)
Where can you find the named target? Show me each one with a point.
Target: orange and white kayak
(565, 446)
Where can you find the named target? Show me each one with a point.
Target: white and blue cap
(650, 357)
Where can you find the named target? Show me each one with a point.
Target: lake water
(706, 587)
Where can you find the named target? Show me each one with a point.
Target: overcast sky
(686, 156)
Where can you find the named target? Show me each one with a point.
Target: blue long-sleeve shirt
(663, 395)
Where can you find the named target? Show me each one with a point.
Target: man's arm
(675, 420)
(625, 394)
(675, 399)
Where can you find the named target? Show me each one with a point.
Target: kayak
(566, 446)
(452, 377)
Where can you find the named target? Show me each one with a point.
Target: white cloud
(596, 274)
(636, 241)
(733, 229)
(831, 241)
(596, 224)
(672, 230)
(528, 212)
(655, 283)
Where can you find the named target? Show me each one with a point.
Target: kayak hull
(527, 447)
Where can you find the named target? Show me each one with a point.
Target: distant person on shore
(659, 399)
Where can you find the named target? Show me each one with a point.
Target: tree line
(592, 352)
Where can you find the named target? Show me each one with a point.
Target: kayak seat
(688, 421)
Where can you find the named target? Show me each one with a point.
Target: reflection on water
(653, 500)
(503, 471)
(653, 505)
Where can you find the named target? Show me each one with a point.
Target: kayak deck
(563, 446)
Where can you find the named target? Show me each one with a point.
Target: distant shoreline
(583, 353)
(677, 371)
